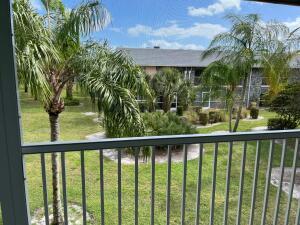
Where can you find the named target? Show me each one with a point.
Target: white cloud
(36, 4)
(116, 29)
(206, 30)
(171, 45)
(218, 7)
(293, 24)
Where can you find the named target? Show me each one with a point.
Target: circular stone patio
(275, 178)
(262, 128)
(253, 120)
(89, 113)
(161, 157)
(207, 126)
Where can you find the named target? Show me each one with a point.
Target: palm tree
(34, 48)
(242, 45)
(169, 83)
(278, 52)
(50, 56)
(223, 80)
(67, 27)
(114, 82)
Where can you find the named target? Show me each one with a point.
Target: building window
(206, 100)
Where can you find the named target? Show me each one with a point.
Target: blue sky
(185, 24)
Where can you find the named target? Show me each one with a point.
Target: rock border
(74, 215)
(177, 155)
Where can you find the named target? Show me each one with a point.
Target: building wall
(151, 70)
(255, 87)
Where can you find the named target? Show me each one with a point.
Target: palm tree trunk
(238, 117)
(25, 87)
(69, 89)
(230, 118)
(165, 105)
(57, 209)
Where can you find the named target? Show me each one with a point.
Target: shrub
(244, 114)
(179, 111)
(212, 116)
(191, 116)
(254, 112)
(216, 116)
(280, 124)
(252, 105)
(198, 109)
(275, 124)
(287, 105)
(71, 102)
(159, 123)
(222, 116)
(203, 118)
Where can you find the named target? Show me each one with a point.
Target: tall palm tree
(223, 80)
(278, 52)
(67, 26)
(242, 45)
(34, 48)
(52, 57)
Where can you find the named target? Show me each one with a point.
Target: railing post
(12, 188)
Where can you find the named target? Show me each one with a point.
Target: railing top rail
(156, 140)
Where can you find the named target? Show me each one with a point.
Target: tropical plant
(49, 54)
(114, 82)
(242, 45)
(169, 84)
(254, 112)
(158, 123)
(279, 49)
(34, 49)
(223, 80)
(203, 118)
(287, 105)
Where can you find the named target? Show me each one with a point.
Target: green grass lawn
(75, 126)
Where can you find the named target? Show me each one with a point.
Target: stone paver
(89, 113)
(161, 157)
(275, 178)
(262, 128)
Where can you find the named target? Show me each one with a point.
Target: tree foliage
(287, 105)
(169, 84)
(114, 82)
(245, 44)
(222, 80)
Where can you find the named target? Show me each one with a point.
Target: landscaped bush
(244, 114)
(254, 112)
(222, 116)
(203, 118)
(191, 116)
(71, 102)
(252, 105)
(159, 123)
(280, 124)
(287, 105)
(198, 109)
(212, 117)
(179, 111)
